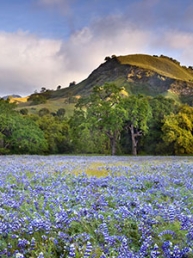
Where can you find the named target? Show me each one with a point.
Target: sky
(47, 43)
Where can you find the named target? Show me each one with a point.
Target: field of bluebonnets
(78, 206)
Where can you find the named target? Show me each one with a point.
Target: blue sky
(46, 43)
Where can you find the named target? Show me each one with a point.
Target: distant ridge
(11, 96)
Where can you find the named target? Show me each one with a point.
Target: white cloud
(28, 63)
(88, 47)
(176, 44)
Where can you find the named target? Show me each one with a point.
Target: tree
(72, 83)
(36, 99)
(138, 114)
(178, 131)
(7, 123)
(24, 111)
(86, 138)
(61, 112)
(160, 106)
(104, 112)
(21, 135)
(43, 89)
(56, 132)
(6, 106)
(59, 87)
(28, 138)
(43, 111)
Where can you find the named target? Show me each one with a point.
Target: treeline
(106, 122)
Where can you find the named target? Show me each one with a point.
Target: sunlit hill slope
(139, 74)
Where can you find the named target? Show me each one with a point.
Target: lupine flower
(22, 243)
(19, 255)
(33, 242)
(72, 251)
(41, 255)
(166, 248)
(49, 203)
(103, 256)
(88, 250)
(155, 252)
(167, 232)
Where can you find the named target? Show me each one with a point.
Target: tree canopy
(105, 122)
(178, 130)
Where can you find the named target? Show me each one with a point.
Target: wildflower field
(81, 206)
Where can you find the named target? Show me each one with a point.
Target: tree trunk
(134, 140)
(1, 143)
(113, 145)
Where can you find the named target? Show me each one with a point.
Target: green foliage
(56, 132)
(43, 111)
(138, 113)
(28, 138)
(6, 106)
(160, 106)
(178, 130)
(61, 112)
(21, 135)
(37, 99)
(104, 112)
(24, 111)
(85, 138)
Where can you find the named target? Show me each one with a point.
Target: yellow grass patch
(94, 169)
(19, 100)
(161, 65)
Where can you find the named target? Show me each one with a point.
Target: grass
(172, 95)
(18, 100)
(52, 104)
(160, 65)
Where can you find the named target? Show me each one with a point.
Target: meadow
(96, 206)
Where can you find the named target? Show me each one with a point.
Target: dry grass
(19, 100)
(161, 65)
(94, 169)
(52, 104)
(97, 169)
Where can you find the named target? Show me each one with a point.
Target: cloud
(88, 47)
(28, 63)
(176, 44)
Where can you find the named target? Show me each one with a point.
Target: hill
(139, 74)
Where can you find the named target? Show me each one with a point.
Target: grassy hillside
(138, 73)
(18, 100)
(162, 65)
(52, 104)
